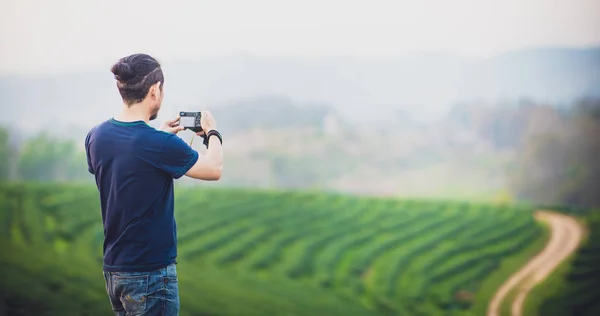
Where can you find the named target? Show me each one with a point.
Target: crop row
(488, 230)
(333, 255)
(216, 240)
(368, 254)
(400, 256)
(273, 252)
(302, 263)
(427, 243)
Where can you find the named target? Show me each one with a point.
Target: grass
(252, 252)
(551, 287)
(572, 289)
(507, 268)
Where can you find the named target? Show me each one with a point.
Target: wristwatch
(212, 133)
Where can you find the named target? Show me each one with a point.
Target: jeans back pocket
(133, 292)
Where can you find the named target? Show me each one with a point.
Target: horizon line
(49, 72)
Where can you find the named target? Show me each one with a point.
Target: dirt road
(565, 238)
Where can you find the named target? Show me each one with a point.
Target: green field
(244, 252)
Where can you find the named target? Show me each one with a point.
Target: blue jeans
(144, 293)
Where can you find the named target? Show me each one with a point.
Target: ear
(155, 91)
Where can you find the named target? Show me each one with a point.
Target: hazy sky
(65, 35)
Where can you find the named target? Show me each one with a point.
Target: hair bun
(122, 71)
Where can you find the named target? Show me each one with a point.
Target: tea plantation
(251, 252)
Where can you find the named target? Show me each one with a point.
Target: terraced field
(244, 252)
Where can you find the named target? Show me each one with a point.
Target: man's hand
(208, 123)
(210, 166)
(172, 126)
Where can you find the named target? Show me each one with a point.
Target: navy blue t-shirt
(134, 165)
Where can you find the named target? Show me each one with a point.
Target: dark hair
(135, 74)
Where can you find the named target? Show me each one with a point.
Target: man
(134, 166)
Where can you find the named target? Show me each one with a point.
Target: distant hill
(422, 84)
(270, 113)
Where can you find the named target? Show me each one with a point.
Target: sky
(38, 37)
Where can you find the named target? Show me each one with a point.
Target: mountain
(422, 85)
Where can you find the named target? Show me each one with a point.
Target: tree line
(556, 154)
(558, 159)
(42, 158)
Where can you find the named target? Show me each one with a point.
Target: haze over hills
(422, 86)
(354, 125)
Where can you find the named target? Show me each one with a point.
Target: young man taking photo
(134, 166)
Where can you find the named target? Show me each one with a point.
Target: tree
(47, 159)
(558, 163)
(5, 154)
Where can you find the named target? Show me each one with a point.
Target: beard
(154, 114)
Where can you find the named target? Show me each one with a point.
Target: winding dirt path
(566, 235)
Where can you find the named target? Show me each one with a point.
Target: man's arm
(87, 153)
(210, 166)
(178, 158)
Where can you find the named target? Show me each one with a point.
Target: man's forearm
(215, 151)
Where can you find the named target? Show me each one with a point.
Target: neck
(135, 112)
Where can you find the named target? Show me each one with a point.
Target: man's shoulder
(109, 126)
(143, 134)
(94, 130)
(157, 137)
(99, 127)
(153, 138)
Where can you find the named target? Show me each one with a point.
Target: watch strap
(212, 133)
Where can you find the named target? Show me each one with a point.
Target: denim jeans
(153, 293)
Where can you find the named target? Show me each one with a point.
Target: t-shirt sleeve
(87, 153)
(177, 157)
